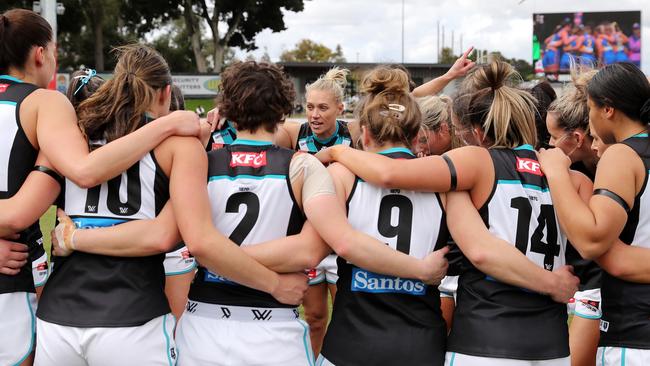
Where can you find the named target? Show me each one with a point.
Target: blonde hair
(435, 110)
(570, 108)
(388, 110)
(333, 81)
(506, 114)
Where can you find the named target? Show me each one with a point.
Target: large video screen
(596, 38)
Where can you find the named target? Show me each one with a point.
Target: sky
(371, 30)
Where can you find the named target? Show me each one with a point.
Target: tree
(447, 56)
(309, 51)
(243, 20)
(172, 45)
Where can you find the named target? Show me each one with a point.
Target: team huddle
(446, 230)
(602, 44)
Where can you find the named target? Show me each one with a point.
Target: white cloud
(372, 29)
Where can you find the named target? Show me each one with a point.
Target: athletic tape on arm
(316, 180)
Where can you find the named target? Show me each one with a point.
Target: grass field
(192, 104)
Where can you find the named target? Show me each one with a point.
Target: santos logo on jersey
(366, 281)
(251, 159)
(529, 166)
(213, 277)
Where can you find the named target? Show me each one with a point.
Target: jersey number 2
(546, 219)
(247, 223)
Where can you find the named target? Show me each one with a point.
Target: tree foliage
(309, 51)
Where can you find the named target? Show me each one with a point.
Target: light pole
(402, 31)
(49, 9)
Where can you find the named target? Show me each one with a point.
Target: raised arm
(459, 69)
(64, 145)
(497, 258)
(592, 227)
(35, 196)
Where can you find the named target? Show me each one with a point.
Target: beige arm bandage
(316, 180)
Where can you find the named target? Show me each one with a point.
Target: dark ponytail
(624, 87)
(645, 112)
(20, 31)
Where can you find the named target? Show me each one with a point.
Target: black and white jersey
(252, 202)
(310, 143)
(587, 270)
(90, 290)
(494, 319)
(222, 137)
(384, 320)
(626, 305)
(17, 158)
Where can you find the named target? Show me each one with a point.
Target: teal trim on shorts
(310, 357)
(591, 317)
(623, 356)
(164, 323)
(330, 282)
(31, 342)
(602, 357)
(453, 358)
(42, 283)
(8, 102)
(193, 267)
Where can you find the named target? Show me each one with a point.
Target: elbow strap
(50, 172)
(614, 196)
(452, 172)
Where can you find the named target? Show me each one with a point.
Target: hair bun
(387, 80)
(645, 112)
(337, 75)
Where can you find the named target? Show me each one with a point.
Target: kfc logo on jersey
(3, 87)
(250, 159)
(529, 166)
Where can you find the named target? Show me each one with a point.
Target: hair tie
(496, 87)
(393, 110)
(90, 73)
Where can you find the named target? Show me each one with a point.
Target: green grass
(192, 104)
(47, 224)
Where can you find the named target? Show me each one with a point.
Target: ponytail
(20, 31)
(119, 106)
(506, 114)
